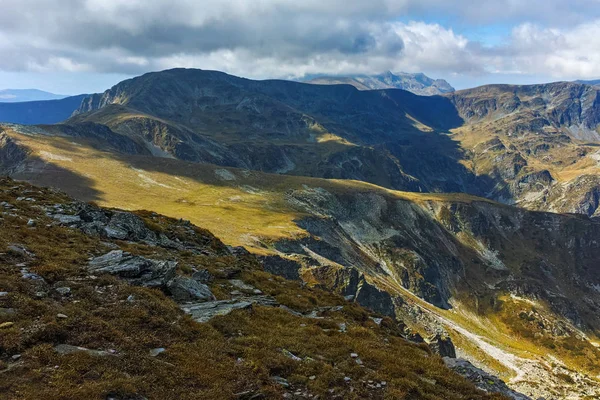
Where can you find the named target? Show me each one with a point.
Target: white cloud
(291, 38)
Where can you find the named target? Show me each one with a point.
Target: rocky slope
(537, 143)
(444, 264)
(106, 304)
(548, 109)
(388, 138)
(415, 83)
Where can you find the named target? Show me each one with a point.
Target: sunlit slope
(242, 207)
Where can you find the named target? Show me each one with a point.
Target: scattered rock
(66, 219)
(157, 351)
(114, 396)
(25, 274)
(21, 250)
(68, 349)
(241, 285)
(289, 354)
(238, 251)
(185, 289)
(61, 316)
(482, 379)
(281, 381)
(204, 312)
(64, 291)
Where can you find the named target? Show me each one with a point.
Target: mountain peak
(417, 83)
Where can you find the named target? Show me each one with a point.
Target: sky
(86, 46)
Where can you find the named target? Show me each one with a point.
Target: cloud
(291, 38)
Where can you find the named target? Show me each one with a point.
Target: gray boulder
(204, 312)
(185, 289)
(136, 270)
(203, 276)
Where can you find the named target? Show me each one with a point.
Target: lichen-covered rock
(136, 270)
(185, 289)
(203, 312)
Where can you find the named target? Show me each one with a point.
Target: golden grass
(240, 207)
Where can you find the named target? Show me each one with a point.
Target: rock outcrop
(136, 270)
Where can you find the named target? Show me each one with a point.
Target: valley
(470, 214)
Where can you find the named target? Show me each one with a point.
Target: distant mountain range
(39, 112)
(418, 83)
(20, 95)
(595, 82)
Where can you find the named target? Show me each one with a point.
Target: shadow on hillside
(47, 174)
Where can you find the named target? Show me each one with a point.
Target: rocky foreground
(98, 303)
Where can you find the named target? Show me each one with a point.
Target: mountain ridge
(40, 112)
(417, 83)
(21, 95)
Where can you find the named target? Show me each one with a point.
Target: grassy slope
(243, 208)
(238, 206)
(222, 359)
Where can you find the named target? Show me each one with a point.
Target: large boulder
(442, 345)
(185, 289)
(136, 270)
(372, 298)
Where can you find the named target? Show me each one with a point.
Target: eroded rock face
(136, 270)
(277, 265)
(440, 247)
(11, 155)
(442, 345)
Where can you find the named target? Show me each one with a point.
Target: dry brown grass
(231, 355)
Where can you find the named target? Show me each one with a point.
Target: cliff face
(439, 249)
(542, 109)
